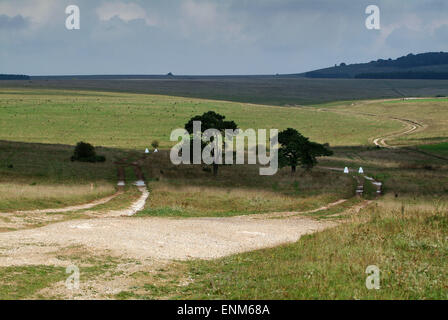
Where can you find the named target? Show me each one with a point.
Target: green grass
(439, 148)
(24, 282)
(431, 113)
(419, 100)
(132, 121)
(37, 176)
(37, 281)
(39, 163)
(43, 126)
(44, 177)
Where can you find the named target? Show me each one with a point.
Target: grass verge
(408, 245)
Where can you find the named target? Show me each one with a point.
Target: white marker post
(361, 170)
(155, 150)
(147, 150)
(140, 183)
(346, 170)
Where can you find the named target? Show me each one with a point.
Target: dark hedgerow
(85, 152)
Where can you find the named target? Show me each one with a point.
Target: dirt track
(413, 126)
(159, 238)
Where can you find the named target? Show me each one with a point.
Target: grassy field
(132, 121)
(432, 114)
(32, 282)
(17, 196)
(37, 176)
(42, 176)
(403, 233)
(42, 125)
(23, 282)
(439, 148)
(260, 90)
(237, 190)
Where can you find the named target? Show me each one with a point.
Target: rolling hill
(431, 65)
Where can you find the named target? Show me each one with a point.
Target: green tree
(155, 144)
(295, 150)
(211, 120)
(85, 152)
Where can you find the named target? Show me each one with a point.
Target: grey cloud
(441, 33)
(17, 22)
(231, 36)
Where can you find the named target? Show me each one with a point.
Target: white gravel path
(154, 238)
(135, 207)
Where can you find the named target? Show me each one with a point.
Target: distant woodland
(14, 77)
(431, 65)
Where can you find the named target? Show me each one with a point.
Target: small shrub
(85, 152)
(155, 144)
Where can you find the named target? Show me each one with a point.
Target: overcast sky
(212, 36)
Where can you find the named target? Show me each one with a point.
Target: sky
(209, 37)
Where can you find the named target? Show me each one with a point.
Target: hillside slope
(432, 65)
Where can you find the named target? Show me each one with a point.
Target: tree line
(404, 75)
(14, 77)
(414, 60)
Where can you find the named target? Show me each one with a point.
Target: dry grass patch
(206, 201)
(192, 190)
(17, 196)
